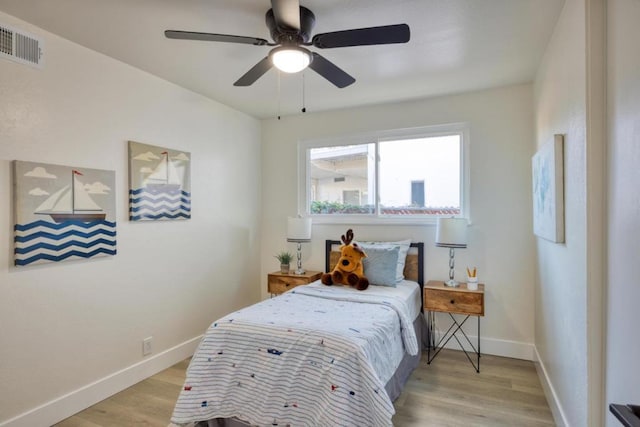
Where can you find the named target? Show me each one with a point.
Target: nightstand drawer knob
(453, 302)
(287, 285)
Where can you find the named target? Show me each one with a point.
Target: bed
(315, 355)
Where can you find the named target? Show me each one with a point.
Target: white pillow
(402, 254)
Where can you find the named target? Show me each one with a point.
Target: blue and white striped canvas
(152, 204)
(42, 241)
(159, 183)
(62, 213)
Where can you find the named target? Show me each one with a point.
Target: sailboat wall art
(159, 183)
(62, 213)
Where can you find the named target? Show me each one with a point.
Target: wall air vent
(21, 47)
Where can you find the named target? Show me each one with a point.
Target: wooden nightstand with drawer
(454, 301)
(278, 282)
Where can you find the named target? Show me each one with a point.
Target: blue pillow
(403, 245)
(380, 264)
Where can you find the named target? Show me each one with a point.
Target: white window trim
(304, 176)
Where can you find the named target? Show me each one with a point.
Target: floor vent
(21, 47)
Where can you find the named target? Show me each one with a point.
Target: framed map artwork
(548, 191)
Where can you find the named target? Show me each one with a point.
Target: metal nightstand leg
(454, 328)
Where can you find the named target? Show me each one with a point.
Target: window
(403, 175)
(341, 177)
(417, 194)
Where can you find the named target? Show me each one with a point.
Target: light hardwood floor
(448, 392)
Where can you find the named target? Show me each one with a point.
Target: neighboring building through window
(411, 174)
(417, 194)
(351, 197)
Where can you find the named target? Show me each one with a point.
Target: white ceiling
(455, 46)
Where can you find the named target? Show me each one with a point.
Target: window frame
(304, 174)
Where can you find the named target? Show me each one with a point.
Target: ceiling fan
(290, 26)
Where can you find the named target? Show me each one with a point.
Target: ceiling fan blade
(330, 71)
(210, 37)
(286, 14)
(387, 34)
(254, 73)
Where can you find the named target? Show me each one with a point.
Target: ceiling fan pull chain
(278, 94)
(304, 104)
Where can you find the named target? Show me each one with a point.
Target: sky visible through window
(434, 160)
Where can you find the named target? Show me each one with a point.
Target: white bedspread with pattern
(315, 356)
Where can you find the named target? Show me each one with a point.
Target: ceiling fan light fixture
(290, 59)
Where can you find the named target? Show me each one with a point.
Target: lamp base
(299, 270)
(452, 283)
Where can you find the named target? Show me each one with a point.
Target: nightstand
(278, 282)
(458, 301)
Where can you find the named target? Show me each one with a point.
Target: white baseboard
(496, 347)
(549, 391)
(74, 402)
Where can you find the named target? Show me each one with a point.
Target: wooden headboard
(413, 267)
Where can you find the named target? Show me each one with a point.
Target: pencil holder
(472, 283)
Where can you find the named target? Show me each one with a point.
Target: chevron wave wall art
(62, 213)
(159, 183)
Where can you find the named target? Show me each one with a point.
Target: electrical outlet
(147, 349)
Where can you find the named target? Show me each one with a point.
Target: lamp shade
(298, 229)
(451, 233)
(290, 59)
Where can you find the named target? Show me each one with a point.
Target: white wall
(500, 243)
(561, 293)
(65, 326)
(623, 346)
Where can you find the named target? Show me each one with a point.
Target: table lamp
(299, 231)
(451, 233)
